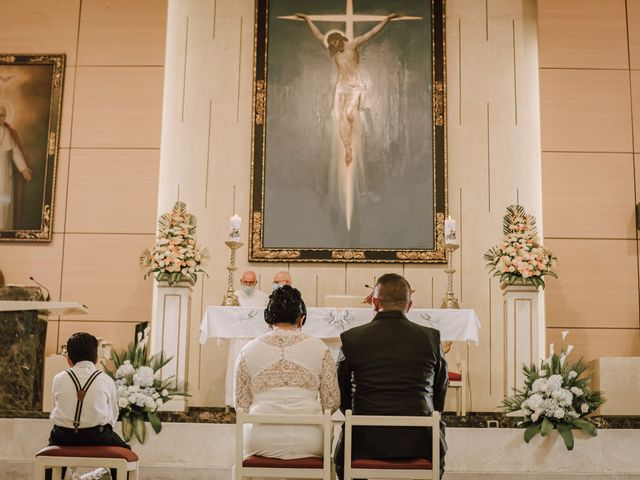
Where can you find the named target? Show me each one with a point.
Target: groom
(391, 366)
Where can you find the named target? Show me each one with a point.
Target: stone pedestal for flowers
(524, 332)
(170, 333)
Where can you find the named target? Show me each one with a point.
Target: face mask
(248, 289)
(275, 286)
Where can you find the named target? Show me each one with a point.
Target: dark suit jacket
(392, 366)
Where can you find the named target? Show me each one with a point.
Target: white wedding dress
(282, 372)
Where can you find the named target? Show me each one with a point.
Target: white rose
(159, 401)
(539, 385)
(122, 402)
(558, 413)
(534, 416)
(125, 370)
(572, 374)
(150, 404)
(144, 377)
(584, 408)
(576, 391)
(555, 382)
(165, 392)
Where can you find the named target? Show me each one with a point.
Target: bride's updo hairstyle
(285, 306)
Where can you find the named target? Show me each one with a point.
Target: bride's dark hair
(285, 306)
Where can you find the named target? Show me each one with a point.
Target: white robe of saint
(257, 299)
(9, 153)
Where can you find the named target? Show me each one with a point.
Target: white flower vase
(524, 332)
(170, 333)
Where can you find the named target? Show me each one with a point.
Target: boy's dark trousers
(102, 435)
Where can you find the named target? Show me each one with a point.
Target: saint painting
(30, 99)
(345, 143)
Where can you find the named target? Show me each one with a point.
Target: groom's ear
(375, 302)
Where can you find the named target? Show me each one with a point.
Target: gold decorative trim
(8, 59)
(260, 102)
(256, 244)
(347, 255)
(43, 233)
(438, 102)
(52, 143)
(421, 255)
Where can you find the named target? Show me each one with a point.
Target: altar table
(328, 323)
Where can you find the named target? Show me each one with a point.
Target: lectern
(23, 324)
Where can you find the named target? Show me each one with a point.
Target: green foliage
(556, 396)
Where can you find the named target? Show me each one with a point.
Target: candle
(235, 223)
(450, 231)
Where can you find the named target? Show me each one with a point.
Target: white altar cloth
(329, 323)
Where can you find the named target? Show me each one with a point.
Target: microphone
(48, 299)
(368, 286)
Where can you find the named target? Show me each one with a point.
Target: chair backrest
(324, 421)
(351, 420)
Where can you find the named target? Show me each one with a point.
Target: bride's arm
(329, 391)
(242, 395)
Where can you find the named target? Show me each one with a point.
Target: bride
(285, 371)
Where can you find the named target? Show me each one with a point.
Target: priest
(248, 296)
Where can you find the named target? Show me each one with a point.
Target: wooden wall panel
(96, 174)
(121, 32)
(592, 343)
(60, 199)
(635, 95)
(40, 26)
(588, 195)
(582, 34)
(102, 272)
(633, 17)
(597, 286)
(120, 108)
(585, 110)
(591, 195)
(40, 260)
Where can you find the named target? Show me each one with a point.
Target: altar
(455, 325)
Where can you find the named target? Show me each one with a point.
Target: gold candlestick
(450, 300)
(230, 299)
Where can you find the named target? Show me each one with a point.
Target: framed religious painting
(349, 131)
(30, 107)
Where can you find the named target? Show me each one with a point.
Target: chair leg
(38, 471)
(56, 473)
(458, 401)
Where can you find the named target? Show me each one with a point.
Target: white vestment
(257, 299)
(9, 153)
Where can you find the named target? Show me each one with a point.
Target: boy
(85, 407)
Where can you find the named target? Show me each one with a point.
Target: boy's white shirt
(100, 406)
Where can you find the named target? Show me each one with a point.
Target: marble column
(22, 345)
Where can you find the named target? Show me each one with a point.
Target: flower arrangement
(520, 258)
(176, 254)
(139, 391)
(555, 396)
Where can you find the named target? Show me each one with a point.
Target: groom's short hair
(393, 291)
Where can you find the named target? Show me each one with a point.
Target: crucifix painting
(347, 163)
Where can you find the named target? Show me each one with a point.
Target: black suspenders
(81, 391)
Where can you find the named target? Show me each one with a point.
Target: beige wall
(590, 123)
(494, 160)
(106, 186)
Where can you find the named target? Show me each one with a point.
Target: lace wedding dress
(285, 371)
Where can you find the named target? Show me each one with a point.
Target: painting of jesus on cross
(348, 131)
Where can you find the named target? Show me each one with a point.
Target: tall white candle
(450, 231)
(234, 223)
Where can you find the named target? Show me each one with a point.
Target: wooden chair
(458, 381)
(415, 468)
(122, 459)
(258, 466)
